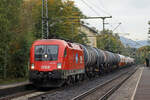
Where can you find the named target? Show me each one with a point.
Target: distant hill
(132, 43)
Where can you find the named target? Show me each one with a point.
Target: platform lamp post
(148, 40)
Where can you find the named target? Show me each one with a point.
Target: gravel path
(69, 93)
(126, 91)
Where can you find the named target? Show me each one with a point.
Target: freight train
(54, 62)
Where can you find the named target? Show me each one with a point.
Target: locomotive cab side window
(65, 52)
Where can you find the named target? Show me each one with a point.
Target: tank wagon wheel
(104, 69)
(101, 71)
(90, 72)
(94, 72)
(108, 68)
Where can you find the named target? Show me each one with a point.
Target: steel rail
(9, 97)
(4, 91)
(44, 95)
(111, 91)
(83, 95)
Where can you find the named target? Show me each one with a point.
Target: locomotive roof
(57, 41)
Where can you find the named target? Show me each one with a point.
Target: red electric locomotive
(54, 61)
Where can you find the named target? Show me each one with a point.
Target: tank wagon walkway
(142, 91)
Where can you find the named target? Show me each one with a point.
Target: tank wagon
(54, 62)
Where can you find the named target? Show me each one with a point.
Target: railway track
(9, 93)
(28, 94)
(9, 97)
(32, 93)
(103, 91)
(71, 92)
(43, 96)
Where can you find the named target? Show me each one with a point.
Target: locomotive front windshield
(46, 53)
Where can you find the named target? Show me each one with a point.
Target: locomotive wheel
(81, 77)
(73, 79)
(77, 78)
(69, 80)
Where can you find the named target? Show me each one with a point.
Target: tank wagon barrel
(90, 55)
(101, 57)
(96, 59)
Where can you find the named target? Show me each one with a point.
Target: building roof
(90, 29)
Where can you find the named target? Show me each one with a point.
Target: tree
(110, 42)
(61, 19)
(142, 53)
(14, 45)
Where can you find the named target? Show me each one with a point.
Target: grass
(12, 80)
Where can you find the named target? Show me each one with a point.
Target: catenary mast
(45, 26)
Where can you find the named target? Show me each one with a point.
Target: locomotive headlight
(59, 66)
(32, 66)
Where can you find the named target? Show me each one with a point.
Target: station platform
(142, 90)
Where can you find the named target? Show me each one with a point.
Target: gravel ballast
(69, 93)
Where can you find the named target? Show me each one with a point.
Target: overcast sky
(133, 14)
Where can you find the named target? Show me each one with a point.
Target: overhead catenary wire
(104, 9)
(97, 13)
(99, 8)
(100, 2)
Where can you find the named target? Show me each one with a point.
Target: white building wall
(90, 34)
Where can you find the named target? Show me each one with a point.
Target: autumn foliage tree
(142, 53)
(61, 19)
(20, 25)
(109, 41)
(13, 45)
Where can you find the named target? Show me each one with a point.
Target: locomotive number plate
(45, 67)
